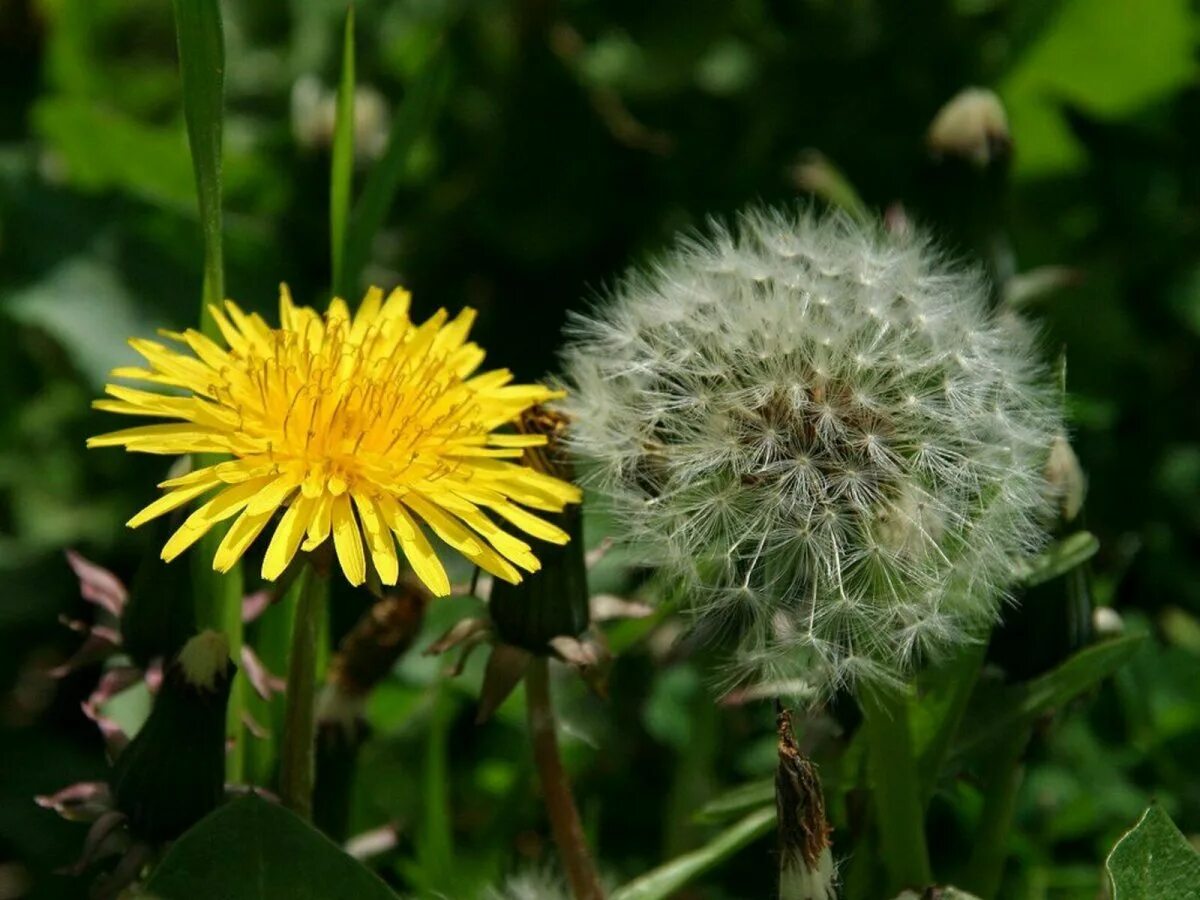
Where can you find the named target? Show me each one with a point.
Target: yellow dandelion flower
(365, 426)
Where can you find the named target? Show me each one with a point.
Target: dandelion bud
(972, 126)
(806, 870)
(1066, 479)
(173, 773)
(823, 432)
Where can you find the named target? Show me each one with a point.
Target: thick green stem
(556, 789)
(1001, 780)
(896, 790)
(297, 763)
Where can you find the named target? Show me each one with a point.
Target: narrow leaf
(202, 71)
(1154, 861)
(342, 170)
(737, 800)
(413, 119)
(1061, 558)
(669, 878)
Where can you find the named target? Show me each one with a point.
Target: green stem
(556, 789)
(1001, 780)
(297, 764)
(896, 790)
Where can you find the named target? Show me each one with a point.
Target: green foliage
(251, 849)
(518, 158)
(1154, 862)
(341, 182)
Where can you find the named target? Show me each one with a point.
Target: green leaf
(202, 70)
(254, 850)
(413, 119)
(1109, 57)
(1064, 556)
(1154, 861)
(670, 877)
(341, 181)
(733, 802)
(1020, 704)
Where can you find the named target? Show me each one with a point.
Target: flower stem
(297, 765)
(556, 789)
(1001, 780)
(896, 790)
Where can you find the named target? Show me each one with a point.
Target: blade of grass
(670, 877)
(341, 182)
(413, 119)
(201, 41)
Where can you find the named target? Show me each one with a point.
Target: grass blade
(341, 182)
(670, 877)
(413, 119)
(201, 41)
(202, 71)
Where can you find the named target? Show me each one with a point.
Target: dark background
(577, 137)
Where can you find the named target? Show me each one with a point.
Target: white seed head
(825, 434)
(535, 884)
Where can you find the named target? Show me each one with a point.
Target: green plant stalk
(668, 878)
(200, 37)
(297, 752)
(556, 789)
(966, 670)
(896, 790)
(341, 172)
(1001, 781)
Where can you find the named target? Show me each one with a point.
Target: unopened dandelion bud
(972, 126)
(824, 434)
(806, 870)
(173, 772)
(1065, 477)
(553, 603)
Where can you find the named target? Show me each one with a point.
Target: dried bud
(971, 126)
(553, 602)
(173, 772)
(806, 870)
(1065, 476)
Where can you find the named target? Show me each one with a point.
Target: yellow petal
(168, 502)
(348, 541)
(529, 523)
(225, 504)
(379, 539)
(318, 527)
(239, 537)
(466, 542)
(417, 549)
(274, 494)
(286, 539)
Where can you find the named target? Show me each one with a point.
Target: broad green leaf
(670, 877)
(341, 181)
(251, 849)
(202, 71)
(1071, 551)
(413, 119)
(100, 149)
(1017, 705)
(1110, 57)
(738, 800)
(1154, 861)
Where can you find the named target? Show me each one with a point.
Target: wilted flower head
(360, 425)
(823, 431)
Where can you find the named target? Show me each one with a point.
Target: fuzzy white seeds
(825, 433)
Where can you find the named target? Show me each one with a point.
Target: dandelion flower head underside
(363, 426)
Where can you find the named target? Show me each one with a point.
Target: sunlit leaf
(254, 850)
(1154, 861)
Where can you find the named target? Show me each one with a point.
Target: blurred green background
(577, 136)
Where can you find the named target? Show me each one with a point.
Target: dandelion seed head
(825, 432)
(364, 427)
